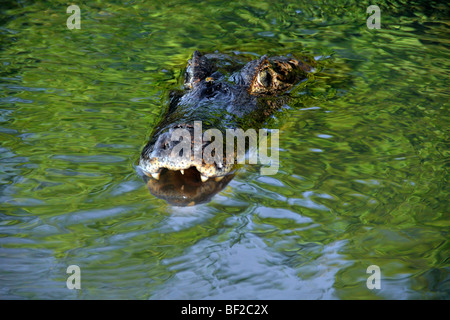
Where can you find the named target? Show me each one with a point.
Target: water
(364, 149)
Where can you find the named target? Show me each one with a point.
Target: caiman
(220, 92)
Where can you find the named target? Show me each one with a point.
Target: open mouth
(191, 174)
(187, 169)
(181, 178)
(185, 187)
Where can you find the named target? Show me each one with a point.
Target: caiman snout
(180, 148)
(177, 174)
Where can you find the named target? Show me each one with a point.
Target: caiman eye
(265, 78)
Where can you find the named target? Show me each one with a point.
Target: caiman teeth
(156, 175)
(217, 179)
(204, 178)
(182, 171)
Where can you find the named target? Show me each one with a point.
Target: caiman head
(177, 168)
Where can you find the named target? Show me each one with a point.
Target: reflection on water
(363, 149)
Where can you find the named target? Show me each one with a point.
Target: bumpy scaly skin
(205, 89)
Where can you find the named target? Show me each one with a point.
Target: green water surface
(363, 154)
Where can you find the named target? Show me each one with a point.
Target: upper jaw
(153, 162)
(165, 151)
(153, 167)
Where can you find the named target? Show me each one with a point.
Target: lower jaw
(185, 189)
